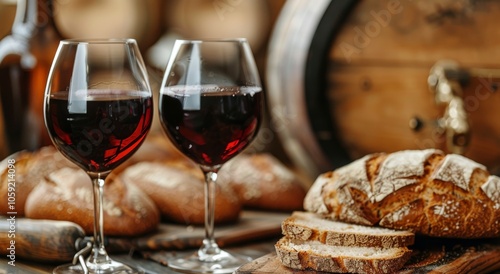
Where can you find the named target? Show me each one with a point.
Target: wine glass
(210, 107)
(98, 110)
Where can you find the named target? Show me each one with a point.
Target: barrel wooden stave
(372, 108)
(419, 33)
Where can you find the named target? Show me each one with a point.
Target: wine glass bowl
(213, 134)
(211, 107)
(98, 110)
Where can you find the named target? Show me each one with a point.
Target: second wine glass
(211, 109)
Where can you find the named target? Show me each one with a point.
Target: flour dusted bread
(307, 226)
(314, 255)
(424, 191)
(66, 194)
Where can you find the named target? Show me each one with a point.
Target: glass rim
(212, 40)
(99, 41)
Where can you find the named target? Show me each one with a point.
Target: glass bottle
(25, 59)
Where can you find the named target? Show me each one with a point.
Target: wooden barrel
(346, 78)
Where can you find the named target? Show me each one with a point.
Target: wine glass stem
(99, 254)
(209, 249)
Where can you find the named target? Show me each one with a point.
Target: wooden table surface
(254, 236)
(254, 250)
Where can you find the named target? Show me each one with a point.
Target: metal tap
(445, 82)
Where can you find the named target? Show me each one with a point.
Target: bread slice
(308, 226)
(314, 255)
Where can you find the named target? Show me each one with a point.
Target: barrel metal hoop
(315, 82)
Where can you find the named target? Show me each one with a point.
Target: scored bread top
(307, 226)
(492, 189)
(425, 191)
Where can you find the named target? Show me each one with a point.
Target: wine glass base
(225, 263)
(113, 268)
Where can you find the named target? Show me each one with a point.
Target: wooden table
(254, 236)
(149, 266)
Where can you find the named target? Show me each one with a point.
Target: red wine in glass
(101, 130)
(211, 124)
(98, 109)
(210, 107)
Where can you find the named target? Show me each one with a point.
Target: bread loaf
(28, 169)
(424, 191)
(66, 194)
(313, 255)
(262, 182)
(307, 226)
(177, 188)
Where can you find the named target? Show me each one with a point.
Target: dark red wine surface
(211, 125)
(101, 133)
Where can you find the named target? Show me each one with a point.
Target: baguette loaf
(307, 226)
(424, 191)
(314, 255)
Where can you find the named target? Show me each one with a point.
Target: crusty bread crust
(262, 182)
(307, 226)
(177, 188)
(29, 169)
(312, 255)
(66, 194)
(424, 191)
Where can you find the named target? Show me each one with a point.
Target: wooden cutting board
(430, 256)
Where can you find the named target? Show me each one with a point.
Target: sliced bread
(308, 226)
(314, 255)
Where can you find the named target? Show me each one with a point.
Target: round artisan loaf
(263, 182)
(66, 194)
(424, 191)
(177, 188)
(23, 170)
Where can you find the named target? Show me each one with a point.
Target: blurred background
(343, 78)
(155, 24)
